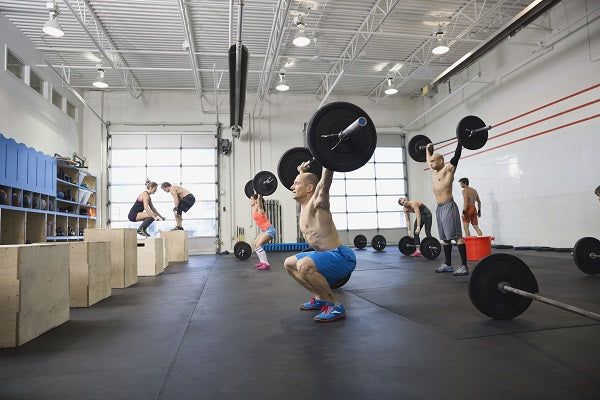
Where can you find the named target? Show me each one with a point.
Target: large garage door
(186, 159)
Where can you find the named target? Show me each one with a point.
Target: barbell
(503, 287)
(586, 254)
(430, 247)
(242, 250)
(378, 242)
(263, 183)
(471, 133)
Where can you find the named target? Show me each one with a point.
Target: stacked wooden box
(123, 253)
(151, 259)
(176, 246)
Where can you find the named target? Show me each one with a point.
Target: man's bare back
(470, 196)
(179, 191)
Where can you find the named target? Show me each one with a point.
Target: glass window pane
(57, 99)
(201, 228)
(360, 204)
(362, 221)
(390, 187)
(389, 154)
(71, 110)
(366, 172)
(36, 83)
(198, 174)
(389, 170)
(198, 157)
(156, 140)
(121, 158)
(337, 188)
(340, 221)
(128, 175)
(388, 203)
(120, 141)
(337, 204)
(124, 224)
(206, 141)
(354, 187)
(165, 174)
(14, 65)
(201, 209)
(203, 191)
(166, 157)
(391, 220)
(119, 211)
(125, 194)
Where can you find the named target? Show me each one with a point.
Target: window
(36, 82)
(368, 197)
(14, 65)
(185, 159)
(71, 110)
(57, 99)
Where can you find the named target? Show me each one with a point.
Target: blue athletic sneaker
(331, 313)
(313, 304)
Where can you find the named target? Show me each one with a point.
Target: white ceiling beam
(189, 38)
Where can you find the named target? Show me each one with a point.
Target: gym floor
(215, 328)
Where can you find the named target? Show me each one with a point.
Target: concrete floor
(215, 328)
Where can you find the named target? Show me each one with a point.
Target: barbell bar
(378, 242)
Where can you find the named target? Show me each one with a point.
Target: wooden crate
(34, 291)
(90, 267)
(151, 258)
(176, 246)
(123, 253)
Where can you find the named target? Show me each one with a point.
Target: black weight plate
(338, 284)
(431, 248)
(350, 154)
(249, 189)
(242, 250)
(287, 169)
(378, 242)
(463, 133)
(483, 286)
(406, 245)
(360, 241)
(582, 255)
(265, 183)
(414, 148)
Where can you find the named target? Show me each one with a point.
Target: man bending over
(331, 261)
(183, 201)
(447, 214)
(422, 218)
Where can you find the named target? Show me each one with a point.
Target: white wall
(26, 116)
(279, 129)
(537, 191)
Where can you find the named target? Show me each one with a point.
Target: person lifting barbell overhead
(470, 213)
(143, 210)
(446, 213)
(423, 217)
(331, 261)
(267, 232)
(183, 200)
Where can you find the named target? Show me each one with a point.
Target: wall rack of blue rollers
(43, 198)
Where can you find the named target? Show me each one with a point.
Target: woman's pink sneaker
(264, 266)
(417, 253)
(258, 264)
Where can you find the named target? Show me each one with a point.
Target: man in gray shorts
(447, 214)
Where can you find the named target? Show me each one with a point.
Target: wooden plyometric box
(176, 246)
(123, 253)
(151, 259)
(90, 267)
(34, 291)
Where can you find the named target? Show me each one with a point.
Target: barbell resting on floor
(378, 242)
(471, 133)
(430, 247)
(586, 254)
(503, 287)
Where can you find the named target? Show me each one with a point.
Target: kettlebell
(3, 196)
(36, 202)
(15, 199)
(43, 204)
(27, 201)
(60, 194)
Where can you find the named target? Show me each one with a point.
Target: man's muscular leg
(308, 272)
(476, 227)
(466, 228)
(291, 266)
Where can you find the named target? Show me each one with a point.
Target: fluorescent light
(379, 67)
(300, 40)
(391, 89)
(396, 67)
(282, 86)
(99, 82)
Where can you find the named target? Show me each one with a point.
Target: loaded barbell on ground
(378, 242)
(503, 287)
(430, 247)
(471, 133)
(586, 254)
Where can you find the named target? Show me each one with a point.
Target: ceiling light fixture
(99, 82)
(391, 89)
(52, 27)
(282, 86)
(441, 47)
(300, 39)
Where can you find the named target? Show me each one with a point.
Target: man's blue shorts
(333, 264)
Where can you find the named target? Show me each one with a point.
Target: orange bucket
(478, 247)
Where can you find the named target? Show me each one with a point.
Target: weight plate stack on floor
(586, 255)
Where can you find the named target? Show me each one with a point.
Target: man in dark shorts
(331, 261)
(423, 217)
(470, 212)
(446, 213)
(183, 200)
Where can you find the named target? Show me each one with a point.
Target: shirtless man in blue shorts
(331, 261)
